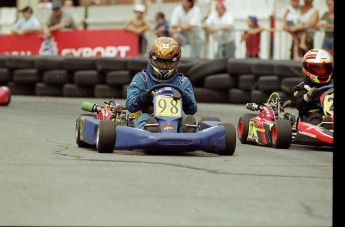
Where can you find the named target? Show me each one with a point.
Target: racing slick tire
(243, 127)
(281, 134)
(79, 142)
(230, 140)
(106, 136)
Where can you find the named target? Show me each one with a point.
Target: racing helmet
(164, 56)
(318, 66)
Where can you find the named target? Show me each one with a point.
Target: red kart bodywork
(5, 95)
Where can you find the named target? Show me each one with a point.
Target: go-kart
(321, 134)
(5, 96)
(271, 127)
(107, 134)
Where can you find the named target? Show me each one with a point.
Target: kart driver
(163, 55)
(317, 68)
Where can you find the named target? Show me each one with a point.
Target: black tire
(240, 66)
(210, 96)
(230, 140)
(202, 69)
(106, 64)
(263, 67)
(87, 77)
(243, 127)
(3, 58)
(106, 91)
(288, 68)
(21, 89)
(106, 136)
(269, 83)
(184, 67)
(79, 142)
(57, 77)
(118, 78)
(43, 89)
(238, 96)
(20, 62)
(288, 84)
(72, 90)
(27, 76)
(281, 134)
(124, 91)
(258, 96)
(136, 64)
(79, 63)
(247, 82)
(49, 62)
(5, 76)
(223, 81)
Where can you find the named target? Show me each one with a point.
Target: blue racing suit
(142, 81)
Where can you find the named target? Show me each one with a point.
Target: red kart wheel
(243, 127)
(274, 134)
(5, 96)
(281, 134)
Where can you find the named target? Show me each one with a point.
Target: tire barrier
(223, 80)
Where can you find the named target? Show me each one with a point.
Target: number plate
(328, 104)
(166, 106)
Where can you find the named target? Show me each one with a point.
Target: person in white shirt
(220, 23)
(27, 23)
(45, 4)
(186, 26)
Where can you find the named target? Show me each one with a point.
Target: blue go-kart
(111, 128)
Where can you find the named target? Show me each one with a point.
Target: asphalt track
(45, 179)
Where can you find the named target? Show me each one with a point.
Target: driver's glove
(145, 98)
(310, 94)
(187, 101)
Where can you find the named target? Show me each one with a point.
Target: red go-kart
(5, 95)
(271, 127)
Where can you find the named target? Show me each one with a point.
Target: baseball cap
(139, 8)
(26, 9)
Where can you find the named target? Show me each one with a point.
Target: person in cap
(27, 23)
(58, 20)
(139, 25)
(252, 37)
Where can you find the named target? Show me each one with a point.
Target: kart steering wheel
(165, 85)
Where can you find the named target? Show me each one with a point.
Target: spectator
(27, 23)
(139, 25)
(68, 3)
(327, 23)
(308, 21)
(58, 20)
(45, 4)
(221, 23)
(162, 27)
(187, 26)
(252, 37)
(290, 19)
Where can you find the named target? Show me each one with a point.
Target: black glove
(187, 101)
(145, 98)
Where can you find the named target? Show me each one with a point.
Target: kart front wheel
(243, 127)
(281, 134)
(106, 136)
(230, 139)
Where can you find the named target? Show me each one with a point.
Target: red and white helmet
(318, 66)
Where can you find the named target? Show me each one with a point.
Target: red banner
(79, 43)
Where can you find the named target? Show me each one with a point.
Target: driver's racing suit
(141, 82)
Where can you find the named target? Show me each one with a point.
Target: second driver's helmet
(164, 56)
(318, 66)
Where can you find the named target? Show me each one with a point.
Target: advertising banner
(78, 43)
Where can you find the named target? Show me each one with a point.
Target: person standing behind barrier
(252, 37)
(45, 4)
(308, 21)
(27, 23)
(58, 20)
(327, 23)
(186, 26)
(162, 27)
(290, 19)
(139, 25)
(221, 23)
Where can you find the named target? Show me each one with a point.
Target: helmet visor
(322, 70)
(162, 63)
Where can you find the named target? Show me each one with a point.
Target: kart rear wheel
(243, 127)
(281, 134)
(106, 136)
(230, 139)
(79, 142)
